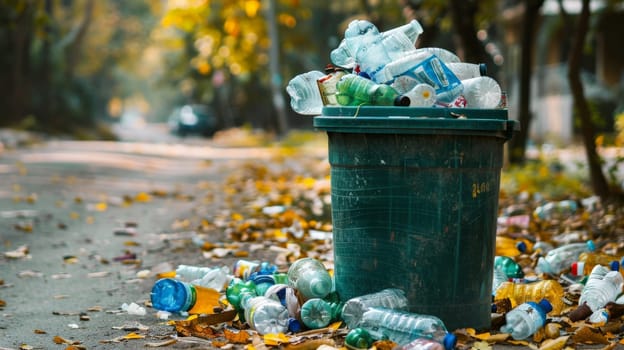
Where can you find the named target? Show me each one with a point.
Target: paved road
(67, 210)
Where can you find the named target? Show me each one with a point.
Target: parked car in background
(193, 119)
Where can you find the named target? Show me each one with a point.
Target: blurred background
(77, 67)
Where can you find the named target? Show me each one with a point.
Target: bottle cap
(402, 101)
(482, 69)
(450, 340)
(172, 295)
(580, 313)
(294, 325)
(615, 265)
(545, 305)
(522, 247)
(578, 268)
(591, 246)
(319, 287)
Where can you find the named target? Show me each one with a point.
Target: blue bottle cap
(591, 246)
(521, 247)
(615, 265)
(172, 295)
(258, 279)
(294, 325)
(545, 305)
(450, 340)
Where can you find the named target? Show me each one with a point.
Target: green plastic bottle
(354, 90)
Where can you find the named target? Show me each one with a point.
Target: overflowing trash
(376, 68)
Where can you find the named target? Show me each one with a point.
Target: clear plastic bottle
(519, 293)
(421, 95)
(403, 327)
(361, 32)
(511, 247)
(372, 57)
(445, 55)
(588, 260)
(305, 97)
(509, 266)
(526, 319)
(266, 315)
(354, 90)
(561, 258)
(354, 308)
(318, 313)
(310, 278)
(481, 92)
(464, 71)
(556, 210)
(215, 278)
(173, 295)
(498, 278)
(599, 291)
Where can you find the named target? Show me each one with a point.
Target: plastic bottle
(610, 311)
(556, 210)
(372, 57)
(561, 258)
(327, 85)
(310, 278)
(173, 295)
(215, 278)
(588, 260)
(421, 95)
(354, 308)
(464, 71)
(360, 32)
(509, 266)
(305, 97)
(403, 327)
(510, 247)
(262, 282)
(498, 278)
(525, 319)
(266, 315)
(354, 90)
(520, 221)
(601, 289)
(237, 290)
(358, 338)
(481, 92)
(445, 55)
(519, 293)
(318, 313)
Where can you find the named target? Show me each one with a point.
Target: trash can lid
(411, 120)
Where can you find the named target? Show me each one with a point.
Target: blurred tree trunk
(274, 71)
(471, 50)
(517, 145)
(20, 38)
(76, 39)
(588, 130)
(44, 85)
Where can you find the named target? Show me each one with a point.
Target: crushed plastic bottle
(215, 278)
(481, 92)
(173, 295)
(310, 278)
(526, 319)
(354, 308)
(421, 95)
(519, 293)
(266, 315)
(305, 96)
(602, 286)
(588, 260)
(403, 327)
(561, 258)
(423, 344)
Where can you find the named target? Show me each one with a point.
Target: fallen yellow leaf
(133, 335)
(275, 339)
(142, 197)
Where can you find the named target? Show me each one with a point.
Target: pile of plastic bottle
(301, 299)
(370, 67)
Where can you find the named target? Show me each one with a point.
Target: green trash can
(414, 196)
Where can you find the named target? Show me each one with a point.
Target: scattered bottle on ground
(403, 327)
(310, 278)
(556, 210)
(215, 277)
(603, 286)
(266, 315)
(526, 319)
(509, 266)
(354, 90)
(318, 313)
(511, 247)
(354, 308)
(561, 258)
(173, 295)
(422, 344)
(358, 338)
(588, 260)
(519, 293)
